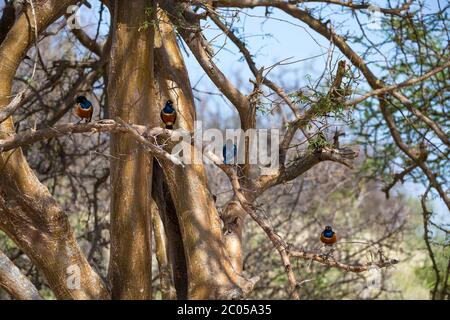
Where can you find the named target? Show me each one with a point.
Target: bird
(229, 152)
(328, 236)
(84, 108)
(169, 115)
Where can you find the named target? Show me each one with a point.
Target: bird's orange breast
(328, 241)
(168, 118)
(83, 113)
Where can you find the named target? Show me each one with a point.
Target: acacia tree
(199, 248)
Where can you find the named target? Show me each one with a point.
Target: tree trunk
(174, 250)
(7, 20)
(28, 213)
(168, 291)
(129, 95)
(210, 273)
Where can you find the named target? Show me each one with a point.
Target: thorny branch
(284, 249)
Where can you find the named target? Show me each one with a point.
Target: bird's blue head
(328, 232)
(168, 107)
(84, 102)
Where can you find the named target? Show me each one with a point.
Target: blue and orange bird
(84, 108)
(328, 236)
(169, 115)
(229, 152)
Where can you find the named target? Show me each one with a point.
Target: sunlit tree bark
(29, 214)
(210, 272)
(130, 98)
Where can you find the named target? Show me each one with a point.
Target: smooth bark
(129, 96)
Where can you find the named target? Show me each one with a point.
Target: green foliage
(426, 272)
(262, 108)
(150, 22)
(412, 47)
(325, 106)
(319, 142)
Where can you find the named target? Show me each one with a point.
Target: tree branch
(252, 65)
(7, 111)
(305, 163)
(394, 87)
(348, 4)
(356, 268)
(14, 282)
(140, 133)
(191, 33)
(425, 215)
(398, 177)
(404, 148)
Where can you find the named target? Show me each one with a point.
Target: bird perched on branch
(229, 153)
(328, 236)
(169, 115)
(84, 108)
